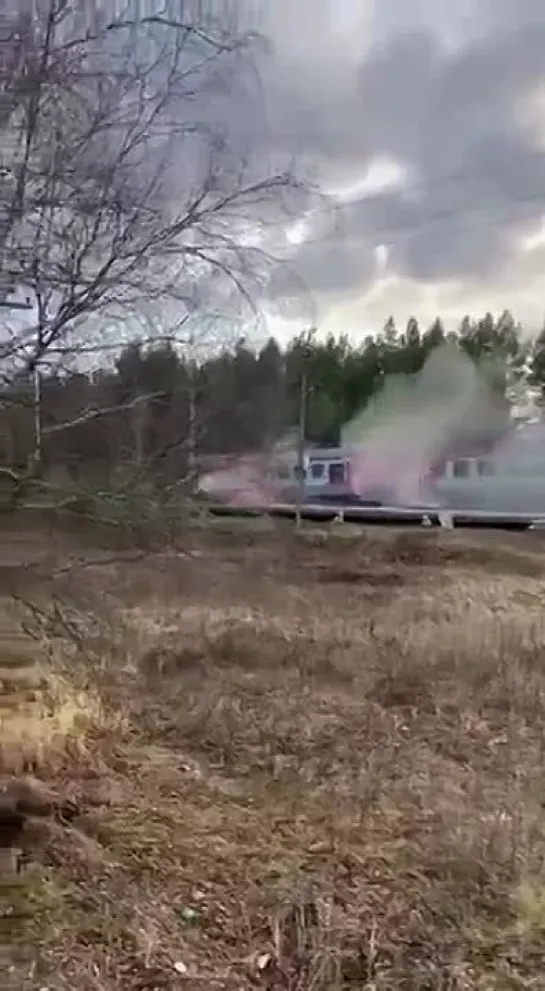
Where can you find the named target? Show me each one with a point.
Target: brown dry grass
(317, 763)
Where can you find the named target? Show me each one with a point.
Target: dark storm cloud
(329, 269)
(450, 116)
(465, 126)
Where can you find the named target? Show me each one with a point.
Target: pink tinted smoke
(394, 468)
(243, 483)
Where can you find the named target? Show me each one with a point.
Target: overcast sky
(428, 119)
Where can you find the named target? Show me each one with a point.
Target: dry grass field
(275, 761)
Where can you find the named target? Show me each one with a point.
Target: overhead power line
(383, 236)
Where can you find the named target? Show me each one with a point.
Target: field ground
(279, 761)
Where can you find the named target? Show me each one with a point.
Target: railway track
(422, 516)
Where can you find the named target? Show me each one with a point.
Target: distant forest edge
(159, 408)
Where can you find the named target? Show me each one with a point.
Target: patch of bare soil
(293, 763)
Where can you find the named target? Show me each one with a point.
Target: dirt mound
(436, 549)
(379, 576)
(29, 810)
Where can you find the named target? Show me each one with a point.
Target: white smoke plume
(414, 419)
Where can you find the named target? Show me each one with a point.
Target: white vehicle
(511, 479)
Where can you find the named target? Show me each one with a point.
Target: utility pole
(192, 427)
(301, 444)
(302, 425)
(37, 457)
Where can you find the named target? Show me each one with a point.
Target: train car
(328, 476)
(508, 479)
(348, 476)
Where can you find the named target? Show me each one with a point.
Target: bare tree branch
(122, 180)
(94, 414)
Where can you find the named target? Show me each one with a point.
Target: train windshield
(317, 470)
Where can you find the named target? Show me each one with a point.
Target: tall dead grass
(326, 771)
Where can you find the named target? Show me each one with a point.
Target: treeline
(158, 409)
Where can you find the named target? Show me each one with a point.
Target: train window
(317, 470)
(485, 468)
(461, 468)
(337, 473)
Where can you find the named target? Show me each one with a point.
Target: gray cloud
(447, 109)
(511, 13)
(465, 125)
(321, 268)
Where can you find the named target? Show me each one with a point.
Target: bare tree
(187, 342)
(124, 186)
